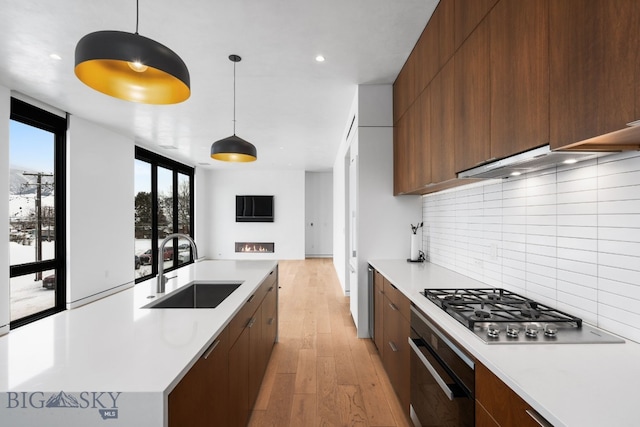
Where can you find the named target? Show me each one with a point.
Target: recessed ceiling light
(55, 56)
(516, 173)
(570, 161)
(168, 147)
(320, 58)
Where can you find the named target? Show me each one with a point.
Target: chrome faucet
(162, 280)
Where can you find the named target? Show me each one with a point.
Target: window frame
(156, 160)
(33, 116)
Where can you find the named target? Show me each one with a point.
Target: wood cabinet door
(472, 100)
(593, 55)
(467, 15)
(378, 310)
(499, 401)
(256, 356)
(435, 46)
(442, 125)
(401, 156)
(396, 353)
(269, 324)
(204, 386)
(519, 35)
(239, 408)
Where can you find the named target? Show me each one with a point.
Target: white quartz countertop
(572, 385)
(114, 344)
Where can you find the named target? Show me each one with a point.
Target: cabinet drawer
(397, 300)
(247, 312)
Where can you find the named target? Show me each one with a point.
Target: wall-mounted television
(254, 208)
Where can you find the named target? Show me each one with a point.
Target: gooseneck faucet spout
(162, 280)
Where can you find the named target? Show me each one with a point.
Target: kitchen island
(572, 385)
(114, 362)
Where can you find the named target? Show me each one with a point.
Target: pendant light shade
(131, 67)
(234, 148)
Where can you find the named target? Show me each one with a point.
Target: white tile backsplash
(569, 237)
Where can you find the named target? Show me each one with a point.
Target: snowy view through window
(169, 206)
(31, 217)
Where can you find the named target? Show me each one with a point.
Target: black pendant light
(234, 148)
(131, 67)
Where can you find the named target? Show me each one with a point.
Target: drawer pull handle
(210, 349)
(393, 306)
(251, 322)
(251, 298)
(270, 289)
(270, 321)
(538, 418)
(393, 346)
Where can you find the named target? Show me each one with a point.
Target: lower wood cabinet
(222, 387)
(498, 405)
(391, 333)
(201, 398)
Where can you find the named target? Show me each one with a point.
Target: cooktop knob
(550, 330)
(493, 330)
(531, 331)
(512, 331)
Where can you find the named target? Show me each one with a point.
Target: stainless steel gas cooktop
(498, 316)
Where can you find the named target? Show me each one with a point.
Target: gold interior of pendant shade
(116, 78)
(233, 157)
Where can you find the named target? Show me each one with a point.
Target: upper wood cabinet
(593, 68)
(435, 45)
(404, 92)
(519, 40)
(468, 14)
(472, 99)
(441, 135)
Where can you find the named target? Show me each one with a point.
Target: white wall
(319, 212)
(383, 221)
(568, 237)
(287, 230)
(100, 212)
(5, 110)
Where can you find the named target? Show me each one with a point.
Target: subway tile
(578, 220)
(549, 241)
(578, 255)
(628, 193)
(616, 165)
(586, 267)
(616, 180)
(587, 196)
(578, 308)
(630, 332)
(578, 283)
(620, 248)
(578, 209)
(619, 234)
(607, 274)
(533, 220)
(542, 210)
(578, 232)
(628, 290)
(578, 186)
(628, 262)
(582, 171)
(545, 230)
(579, 244)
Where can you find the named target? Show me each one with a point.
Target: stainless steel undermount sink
(198, 294)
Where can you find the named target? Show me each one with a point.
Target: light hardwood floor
(320, 373)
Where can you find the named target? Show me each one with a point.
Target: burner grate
(496, 305)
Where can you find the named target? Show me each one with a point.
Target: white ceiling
(292, 108)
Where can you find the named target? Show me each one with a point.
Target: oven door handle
(443, 385)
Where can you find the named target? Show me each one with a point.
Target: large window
(36, 213)
(163, 205)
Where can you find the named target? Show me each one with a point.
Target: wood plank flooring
(320, 373)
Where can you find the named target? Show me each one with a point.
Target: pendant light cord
(234, 98)
(137, 14)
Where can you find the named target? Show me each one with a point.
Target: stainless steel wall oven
(442, 377)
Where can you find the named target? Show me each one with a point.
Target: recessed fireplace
(255, 247)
